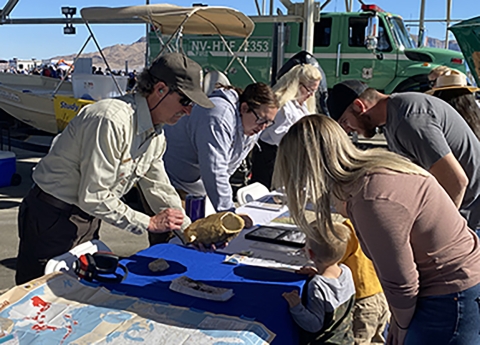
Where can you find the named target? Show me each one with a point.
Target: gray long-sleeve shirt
(205, 148)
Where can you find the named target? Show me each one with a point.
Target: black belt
(50, 199)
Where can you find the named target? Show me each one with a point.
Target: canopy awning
(202, 20)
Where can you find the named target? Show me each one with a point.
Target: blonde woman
(295, 92)
(426, 258)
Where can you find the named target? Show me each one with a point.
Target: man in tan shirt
(103, 152)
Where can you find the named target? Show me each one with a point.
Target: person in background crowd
(53, 72)
(106, 149)
(422, 128)
(435, 73)
(452, 87)
(295, 92)
(324, 312)
(132, 80)
(426, 257)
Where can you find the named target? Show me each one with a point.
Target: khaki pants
(370, 316)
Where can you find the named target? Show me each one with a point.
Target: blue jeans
(452, 319)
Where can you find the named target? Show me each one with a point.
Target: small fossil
(158, 265)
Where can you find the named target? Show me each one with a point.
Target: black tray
(270, 234)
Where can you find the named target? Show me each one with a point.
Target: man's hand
(292, 298)
(166, 220)
(246, 218)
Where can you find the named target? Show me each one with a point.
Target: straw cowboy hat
(452, 80)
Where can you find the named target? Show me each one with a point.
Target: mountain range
(134, 54)
(117, 56)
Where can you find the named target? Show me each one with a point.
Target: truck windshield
(400, 32)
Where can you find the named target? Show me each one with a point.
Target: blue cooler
(7, 168)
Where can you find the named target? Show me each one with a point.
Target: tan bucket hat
(452, 80)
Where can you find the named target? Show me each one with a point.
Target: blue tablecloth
(258, 291)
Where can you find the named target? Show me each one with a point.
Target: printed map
(58, 309)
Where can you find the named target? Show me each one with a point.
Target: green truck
(467, 34)
(371, 45)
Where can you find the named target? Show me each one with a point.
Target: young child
(370, 312)
(324, 310)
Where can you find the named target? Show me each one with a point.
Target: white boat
(28, 98)
(34, 99)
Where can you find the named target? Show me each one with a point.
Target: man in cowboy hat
(421, 127)
(452, 87)
(106, 149)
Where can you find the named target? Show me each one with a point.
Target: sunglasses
(310, 91)
(431, 83)
(184, 100)
(261, 120)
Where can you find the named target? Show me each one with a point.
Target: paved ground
(121, 242)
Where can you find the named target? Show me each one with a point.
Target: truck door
(324, 46)
(357, 62)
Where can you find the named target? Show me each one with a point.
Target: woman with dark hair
(426, 257)
(452, 88)
(205, 148)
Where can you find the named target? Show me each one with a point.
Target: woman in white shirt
(294, 91)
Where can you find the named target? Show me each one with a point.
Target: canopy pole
(233, 57)
(174, 34)
(73, 64)
(259, 11)
(103, 57)
(147, 33)
(236, 57)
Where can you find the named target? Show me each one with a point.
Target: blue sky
(45, 41)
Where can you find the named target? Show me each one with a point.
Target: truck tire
(416, 83)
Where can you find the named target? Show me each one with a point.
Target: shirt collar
(144, 118)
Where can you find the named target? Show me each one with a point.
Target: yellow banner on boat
(66, 108)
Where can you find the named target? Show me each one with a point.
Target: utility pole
(449, 17)
(421, 26)
(349, 5)
(308, 25)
